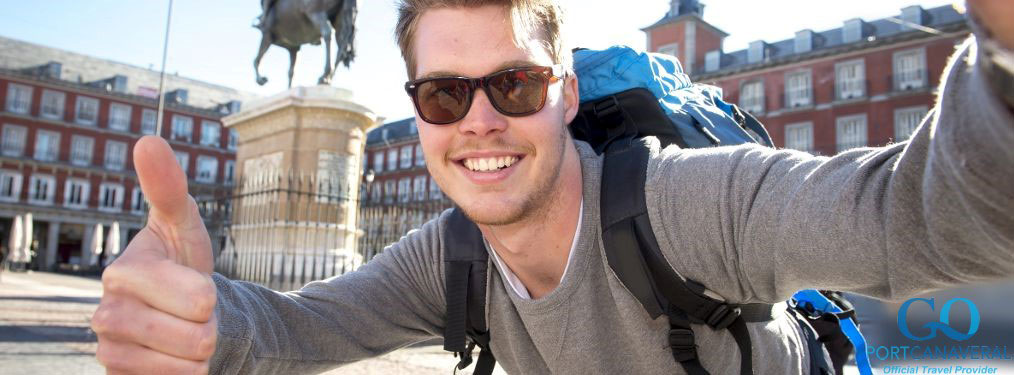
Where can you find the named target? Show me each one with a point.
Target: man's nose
(482, 119)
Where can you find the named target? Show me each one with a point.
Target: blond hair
(526, 17)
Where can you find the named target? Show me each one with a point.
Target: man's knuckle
(103, 320)
(204, 301)
(207, 340)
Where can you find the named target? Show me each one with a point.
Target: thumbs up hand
(158, 302)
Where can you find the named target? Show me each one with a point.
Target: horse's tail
(343, 18)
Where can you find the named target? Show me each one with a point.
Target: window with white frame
(419, 188)
(110, 197)
(119, 116)
(75, 193)
(850, 132)
(138, 205)
(378, 162)
(207, 169)
(672, 49)
(404, 189)
(182, 128)
(210, 133)
(41, 189)
(14, 140)
(183, 159)
(10, 186)
(149, 121)
(52, 104)
(375, 193)
(233, 140)
(392, 159)
(850, 79)
(798, 89)
(751, 97)
(405, 157)
(116, 155)
(86, 111)
(19, 98)
(47, 145)
(229, 173)
(799, 136)
(910, 69)
(906, 120)
(420, 160)
(390, 188)
(435, 190)
(81, 150)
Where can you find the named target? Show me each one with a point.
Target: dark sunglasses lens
(519, 92)
(442, 100)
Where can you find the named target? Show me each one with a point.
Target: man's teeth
(489, 164)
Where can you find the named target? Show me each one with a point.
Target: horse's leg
(292, 63)
(319, 20)
(265, 43)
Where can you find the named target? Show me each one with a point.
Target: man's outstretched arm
(756, 224)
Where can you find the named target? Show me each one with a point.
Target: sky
(214, 41)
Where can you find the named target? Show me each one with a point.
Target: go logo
(944, 324)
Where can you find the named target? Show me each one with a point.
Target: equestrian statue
(293, 23)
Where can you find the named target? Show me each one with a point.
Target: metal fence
(285, 231)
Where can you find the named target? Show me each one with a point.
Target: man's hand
(997, 16)
(158, 302)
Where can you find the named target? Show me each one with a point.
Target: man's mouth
(489, 164)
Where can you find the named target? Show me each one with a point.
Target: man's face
(474, 42)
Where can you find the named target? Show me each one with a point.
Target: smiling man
(493, 91)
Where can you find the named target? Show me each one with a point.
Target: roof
(393, 132)
(944, 18)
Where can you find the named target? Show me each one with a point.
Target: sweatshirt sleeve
(756, 224)
(394, 300)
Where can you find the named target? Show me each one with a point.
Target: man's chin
(496, 214)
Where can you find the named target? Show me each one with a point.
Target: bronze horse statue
(293, 23)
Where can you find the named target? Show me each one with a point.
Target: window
(207, 169)
(406, 157)
(392, 159)
(390, 187)
(419, 188)
(14, 140)
(10, 186)
(229, 173)
(183, 128)
(19, 98)
(378, 162)
(751, 97)
(850, 79)
(910, 69)
(851, 132)
(210, 134)
(87, 111)
(138, 205)
(420, 161)
(375, 193)
(149, 121)
(119, 117)
(799, 136)
(47, 145)
(75, 193)
(712, 61)
(116, 155)
(798, 91)
(184, 159)
(52, 104)
(670, 49)
(110, 197)
(435, 190)
(404, 189)
(81, 150)
(40, 189)
(233, 139)
(906, 120)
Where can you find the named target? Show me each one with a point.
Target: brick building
(69, 123)
(394, 159)
(867, 83)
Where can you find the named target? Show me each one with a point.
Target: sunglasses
(513, 92)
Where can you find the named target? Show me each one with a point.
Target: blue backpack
(626, 96)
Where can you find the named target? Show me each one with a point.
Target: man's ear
(571, 97)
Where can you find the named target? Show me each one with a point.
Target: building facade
(67, 144)
(394, 167)
(867, 83)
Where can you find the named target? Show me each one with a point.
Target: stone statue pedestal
(298, 167)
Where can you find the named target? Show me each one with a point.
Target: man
(750, 223)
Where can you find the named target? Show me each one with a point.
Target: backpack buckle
(607, 111)
(681, 340)
(723, 316)
(466, 357)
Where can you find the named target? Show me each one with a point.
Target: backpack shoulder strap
(465, 273)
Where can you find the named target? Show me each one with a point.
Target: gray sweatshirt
(753, 224)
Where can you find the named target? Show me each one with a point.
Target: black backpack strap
(465, 271)
(633, 253)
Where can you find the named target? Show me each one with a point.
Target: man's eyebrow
(503, 66)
